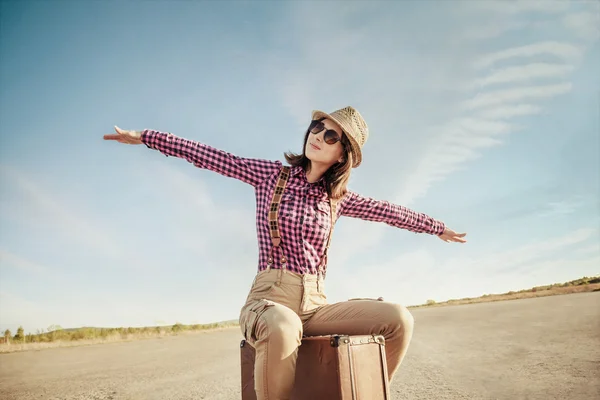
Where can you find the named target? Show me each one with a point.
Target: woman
(287, 298)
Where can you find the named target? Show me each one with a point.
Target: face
(318, 151)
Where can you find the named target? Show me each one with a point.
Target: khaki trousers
(282, 306)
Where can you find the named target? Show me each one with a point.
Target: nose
(319, 136)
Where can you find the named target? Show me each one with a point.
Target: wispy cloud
(511, 111)
(62, 221)
(562, 50)
(502, 94)
(499, 97)
(11, 260)
(562, 207)
(462, 139)
(591, 249)
(524, 73)
(494, 29)
(530, 252)
(513, 7)
(38, 205)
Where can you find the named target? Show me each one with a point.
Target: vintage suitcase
(332, 367)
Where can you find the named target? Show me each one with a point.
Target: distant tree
(52, 328)
(20, 336)
(430, 302)
(7, 336)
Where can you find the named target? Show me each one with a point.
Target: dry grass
(91, 336)
(524, 294)
(16, 346)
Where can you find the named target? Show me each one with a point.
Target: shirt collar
(316, 188)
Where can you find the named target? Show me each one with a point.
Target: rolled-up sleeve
(248, 170)
(369, 209)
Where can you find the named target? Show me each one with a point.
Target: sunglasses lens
(316, 126)
(331, 137)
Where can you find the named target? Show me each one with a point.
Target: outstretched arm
(369, 209)
(248, 170)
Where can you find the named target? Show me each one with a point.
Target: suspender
(284, 175)
(333, 206)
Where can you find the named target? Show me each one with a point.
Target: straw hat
(353, 125)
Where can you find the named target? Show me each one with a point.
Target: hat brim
(356, 151)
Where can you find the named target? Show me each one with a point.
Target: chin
(315, 156)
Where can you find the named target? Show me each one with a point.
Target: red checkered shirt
(304, 214)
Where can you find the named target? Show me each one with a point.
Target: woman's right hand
(124, 136)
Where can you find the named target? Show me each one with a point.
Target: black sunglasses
(330, 136)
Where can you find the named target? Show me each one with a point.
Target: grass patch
(55, 336)
(585, 284)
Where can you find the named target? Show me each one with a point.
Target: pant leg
(270, 323)
(365, 317)
(275, 332)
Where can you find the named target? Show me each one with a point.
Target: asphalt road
(542, 348)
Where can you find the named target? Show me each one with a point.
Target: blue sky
(482, 114)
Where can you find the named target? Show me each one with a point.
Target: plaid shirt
(304, 218)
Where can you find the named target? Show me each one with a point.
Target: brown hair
(337, 176)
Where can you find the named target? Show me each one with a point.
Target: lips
(315, 146)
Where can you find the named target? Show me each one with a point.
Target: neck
(315, 172)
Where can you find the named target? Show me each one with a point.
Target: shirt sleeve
(369, 209)
(248, 170)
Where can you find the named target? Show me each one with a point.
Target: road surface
(542, 348)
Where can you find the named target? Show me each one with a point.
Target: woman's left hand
(450, 236)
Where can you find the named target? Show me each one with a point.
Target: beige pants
(282, 306)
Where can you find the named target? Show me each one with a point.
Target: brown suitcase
(331, 367)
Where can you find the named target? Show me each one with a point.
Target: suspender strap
(284, 175)
(333, 206)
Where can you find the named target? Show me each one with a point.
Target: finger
(114, 137)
